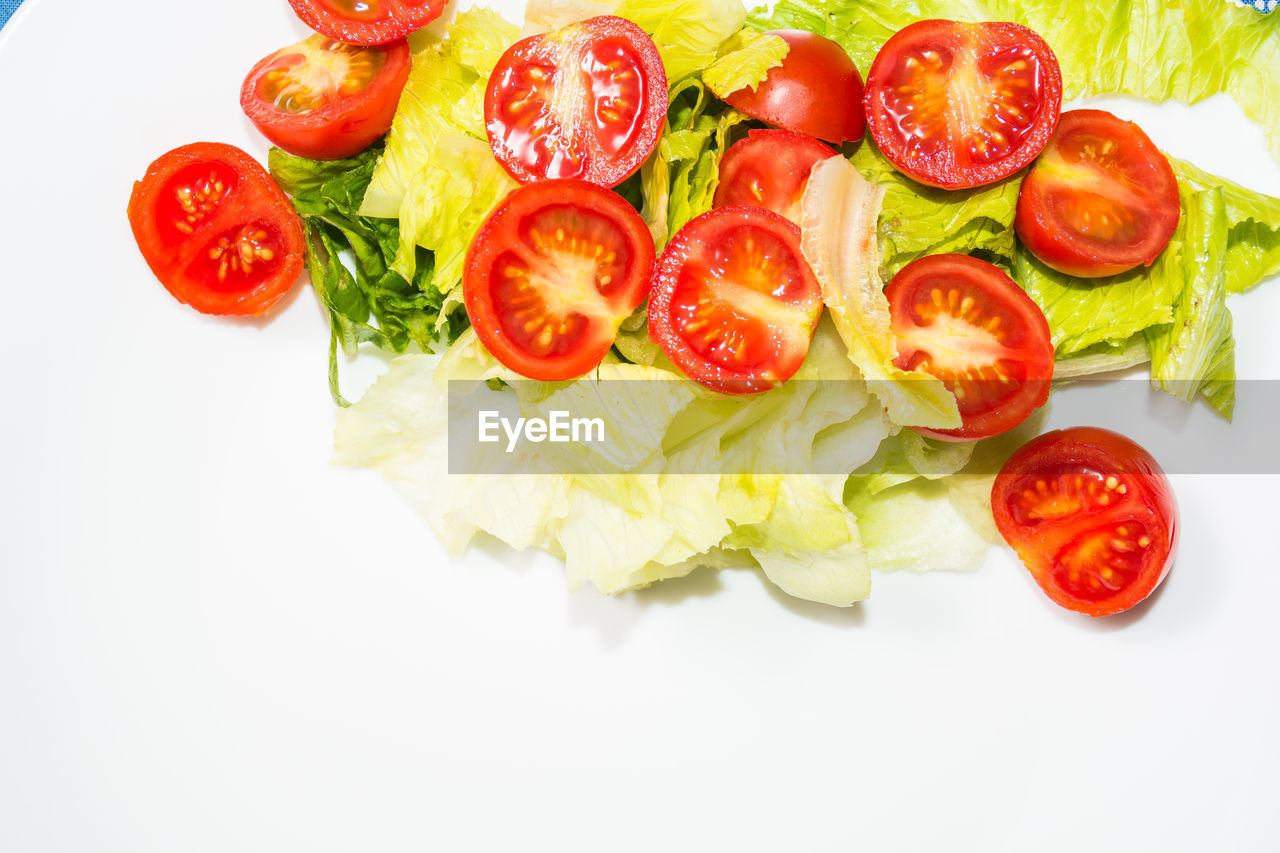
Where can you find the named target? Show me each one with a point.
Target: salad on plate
(805, 274)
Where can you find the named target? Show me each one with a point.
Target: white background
(211, 640)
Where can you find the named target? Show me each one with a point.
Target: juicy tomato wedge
(1100, 200)
(587, 101)
(325, 99)
(734, 303)
(366, 22)
(769, 169)
(216, 230)
(1091, 515)
(967, 323)
(960, 105)
(817, 90)
(552, 273)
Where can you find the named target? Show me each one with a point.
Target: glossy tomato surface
(324, 99)
(1101, 199)
(552, 273)
(769, 169)
(960, 105)
(366, 22)
(1091, 515)
(967, 323)
(216, 230)
(587, 101)
(817, 90)
(734, 303)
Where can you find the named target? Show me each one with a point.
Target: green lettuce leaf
(444, 95)
(688, 33)
(1196, 352)
(744, 61)
(840, 210)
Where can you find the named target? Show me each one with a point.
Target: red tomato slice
(1091, 515)
(216, 230)
(552, 273)
(366, 22)
(769, 169)
(734, 303)
(960, 105)
(817, 90)
(324, 99)
(967, 323)
(1100, 200)
(585, 102)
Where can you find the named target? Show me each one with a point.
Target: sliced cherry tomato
(585, 102)
(216, 230)
(367, 22)
(1091, 515)
(734, 303)
(817, 90)
(769, 169)
(967, 323)
(1100, 200)
(324, 99)
(552, 273)
(960, 105)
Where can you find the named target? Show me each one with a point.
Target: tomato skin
(769, 169)
(380, 22)
(523, 277)
(1091, 515)
(342, 124)
(1000, 374)
(601, 128)
(933, 79)
(734, 303)
(1092, 159)
(199, 212)
(817, 91)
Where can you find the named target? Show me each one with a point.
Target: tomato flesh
(216, 230)
(1091, 515)
(817, 90)
(367, 22)
(1101, 200)
(960, 105)
(323, 99)
(552, 273)
(769, 169)
(587, 101)
(964, 321)
(734, 303)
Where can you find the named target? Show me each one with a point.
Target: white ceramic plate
(211, 640)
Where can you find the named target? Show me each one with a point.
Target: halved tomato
(1091, 515)
(769, 169)
(216, 230)
(960, 105)
(734, 303)
(967, 323)
(587, 101)
(817, 90)
(367, 22)
(1100, 200)
(324, 99)
(552, 273)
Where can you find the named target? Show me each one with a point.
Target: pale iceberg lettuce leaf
(446, 204)
(840, 210)
(444, 95)
(744, 62)
(918, 525)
